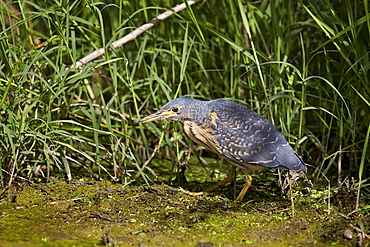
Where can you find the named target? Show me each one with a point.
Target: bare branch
(131, 36)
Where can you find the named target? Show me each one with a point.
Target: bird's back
(244, 137)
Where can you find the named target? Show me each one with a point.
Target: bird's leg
(230, 177)
(245, 188)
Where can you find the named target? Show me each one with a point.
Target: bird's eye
(175, 109)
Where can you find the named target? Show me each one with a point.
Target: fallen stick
(134, 34)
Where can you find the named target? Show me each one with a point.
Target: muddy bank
(86, 213)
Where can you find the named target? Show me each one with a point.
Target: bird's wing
(244, 137)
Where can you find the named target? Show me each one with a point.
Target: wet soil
(91, 213)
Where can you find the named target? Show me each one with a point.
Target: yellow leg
(230, 177)
(245, 188)
(189, 193)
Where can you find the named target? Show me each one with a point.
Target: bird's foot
(186, 192)
(189, 193)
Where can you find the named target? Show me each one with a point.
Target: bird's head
(179, 109)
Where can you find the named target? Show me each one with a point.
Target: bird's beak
(159, 115)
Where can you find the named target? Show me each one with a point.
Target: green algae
(103, 213)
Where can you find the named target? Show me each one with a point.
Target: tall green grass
(304, 65)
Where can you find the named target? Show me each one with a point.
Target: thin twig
(148, 161)
(360, 231)
(131, 36)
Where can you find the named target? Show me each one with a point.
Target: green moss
(89, 212)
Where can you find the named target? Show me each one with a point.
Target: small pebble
(348, 234)
(173, 192)
(205, 244)
(231, 225)
(124, 192)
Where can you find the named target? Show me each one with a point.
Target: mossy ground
(87, 212)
